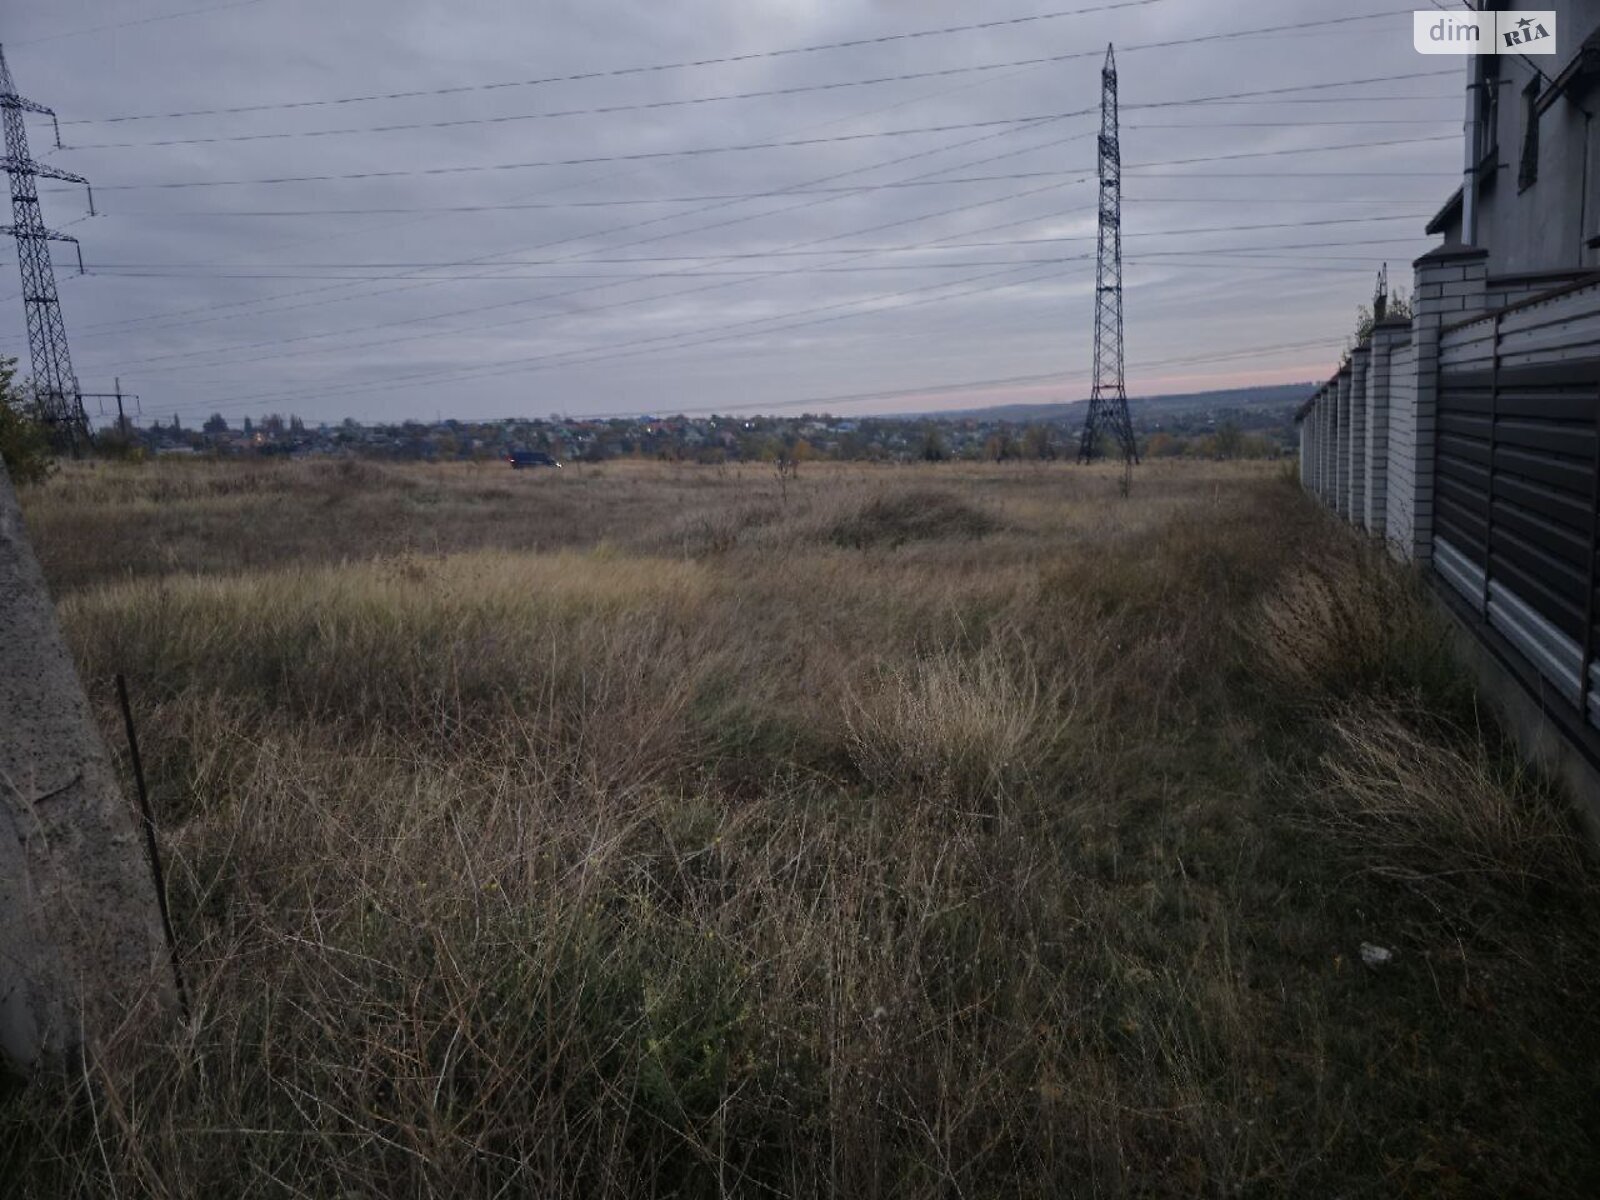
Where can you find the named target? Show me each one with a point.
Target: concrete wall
(81, 948)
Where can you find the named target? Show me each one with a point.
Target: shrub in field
(915, 515)
(1444, 810)
(24, 442)
(963, 728)
(1353, 622)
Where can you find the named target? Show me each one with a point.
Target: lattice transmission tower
(56, 392)
(1108, 402)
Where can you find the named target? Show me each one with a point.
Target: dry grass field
(949, 831)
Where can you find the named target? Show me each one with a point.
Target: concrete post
(81, 948)
(1384, 337)
(1449, 287)
(1358, 433)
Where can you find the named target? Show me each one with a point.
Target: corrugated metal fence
(1517, 481)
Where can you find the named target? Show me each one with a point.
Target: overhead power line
(164, 320)
(234, 309)
(680, 102)
(569, 292)
(477, 310)
(855, 171)
(1073, 378)
(856, 189)
(741, 147)
(726, 60)
(188, 12)
(693, 338)
(650, 344)
(755, 254)
(804, 249)
(752, 274)
(590, 160)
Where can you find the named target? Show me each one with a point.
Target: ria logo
(1469, 32)
(1527, 30)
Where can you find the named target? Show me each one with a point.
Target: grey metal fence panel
(1517, 481)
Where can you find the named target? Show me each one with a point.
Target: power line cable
(857, 189)
(1301, 88)
(577, 291)
(477, 310)
(804, 184)
(331, 293)
(619, 72)
(696, 151)
(927, 389)
(590, 160)
(236, 306)
(646, 345)
(784, 253)
(798, 249)
(650, 345)
(947, 243)
(191, 12)
(640, 106)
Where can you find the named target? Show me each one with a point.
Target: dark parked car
(530, 458)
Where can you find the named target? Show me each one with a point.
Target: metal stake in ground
(1108, 402)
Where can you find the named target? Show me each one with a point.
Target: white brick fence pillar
(1357, 445)
(1341, 451)
(1385, 335)
(1330, 441)
(1449, 288)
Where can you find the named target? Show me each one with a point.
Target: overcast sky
(253, 297)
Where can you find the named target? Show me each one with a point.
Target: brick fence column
(1449, 288)
(1357, 446)
(1384, 336)
(1305, 450)
(1341, 451)
(1330, 440)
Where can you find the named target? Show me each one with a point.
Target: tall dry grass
(954, 832)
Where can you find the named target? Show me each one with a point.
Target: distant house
(530, 458)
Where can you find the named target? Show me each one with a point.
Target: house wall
(1544, 225)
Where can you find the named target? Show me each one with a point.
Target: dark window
(1528, 171)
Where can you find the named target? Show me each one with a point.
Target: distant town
(1254, 426)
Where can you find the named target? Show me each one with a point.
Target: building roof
(1450, 211)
